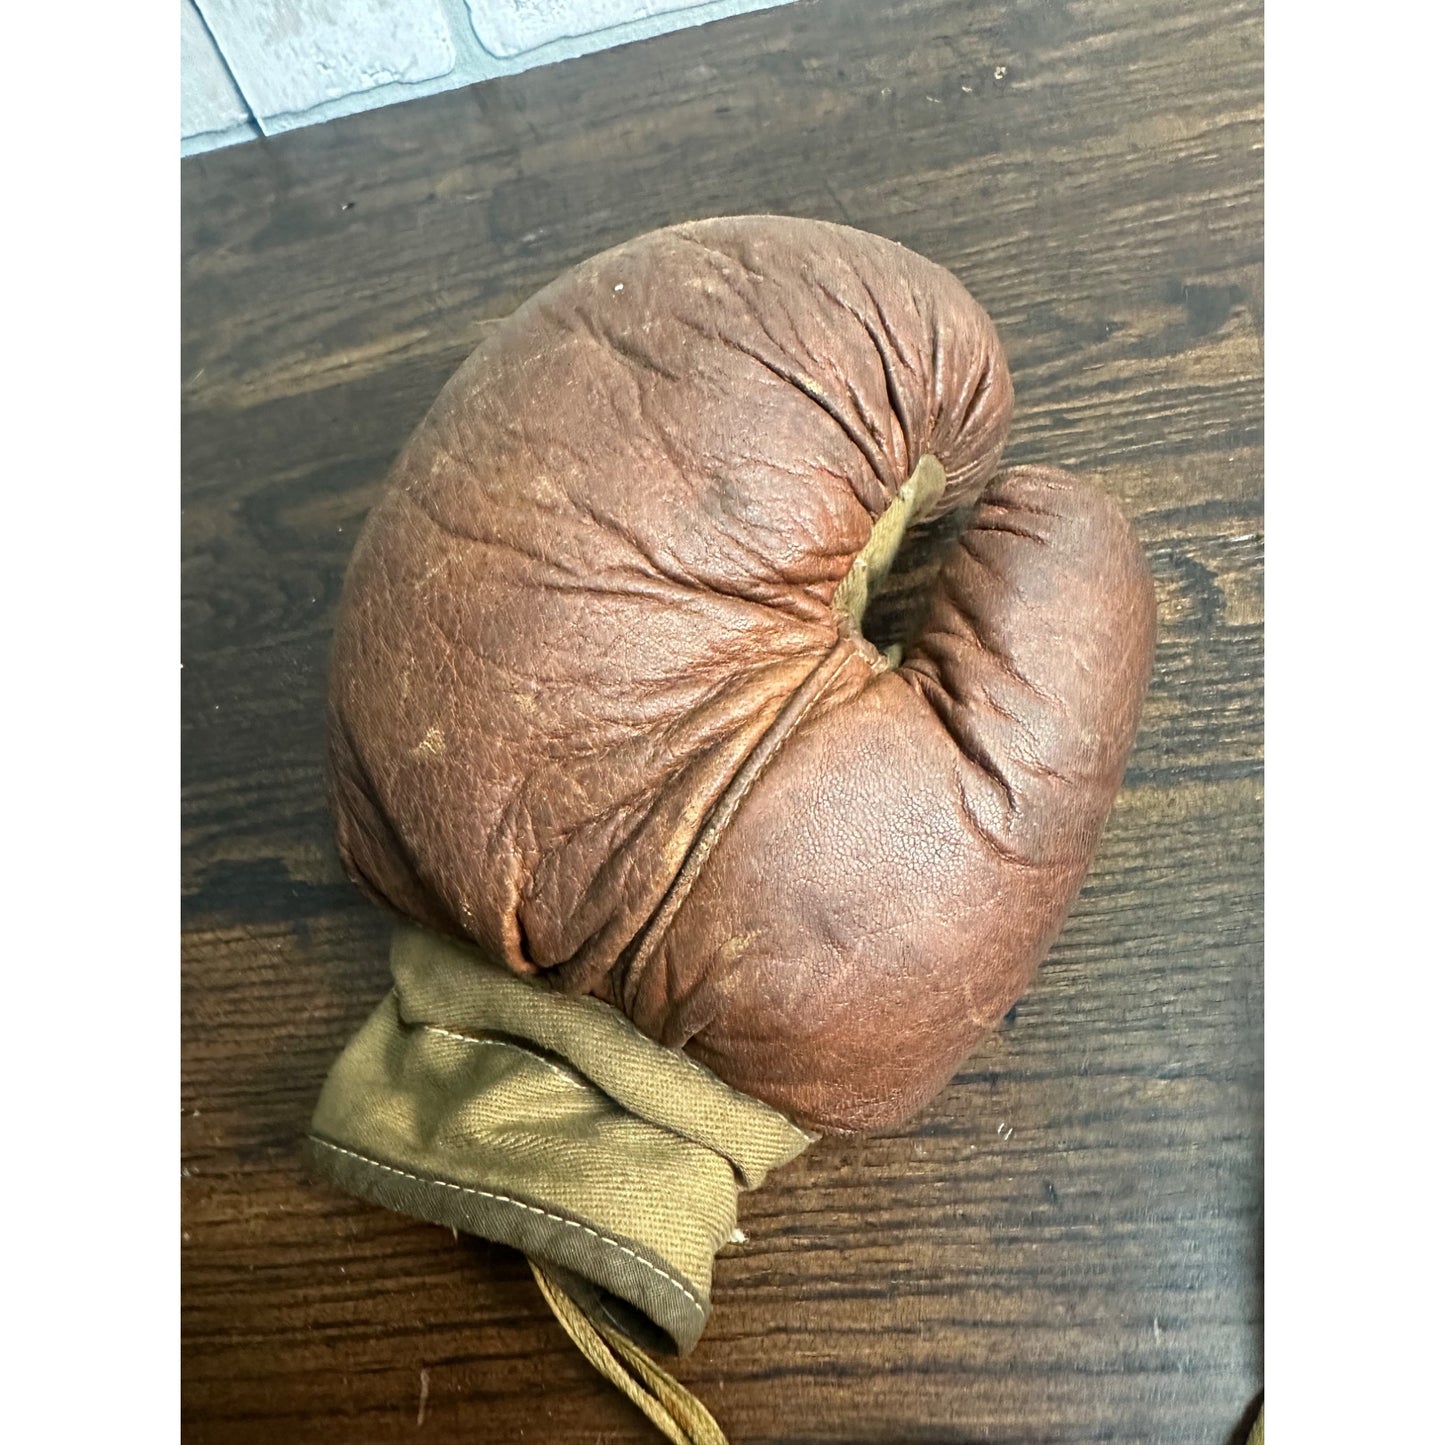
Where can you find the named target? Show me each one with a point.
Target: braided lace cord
(678, 1414)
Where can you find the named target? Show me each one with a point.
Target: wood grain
(1067, 1247)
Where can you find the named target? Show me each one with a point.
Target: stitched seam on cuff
(506, 1044)
(676, 1283)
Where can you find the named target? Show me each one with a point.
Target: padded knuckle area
(600, 702)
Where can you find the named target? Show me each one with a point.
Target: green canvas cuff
(491, 1103)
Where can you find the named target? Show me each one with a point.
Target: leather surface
(592, 708)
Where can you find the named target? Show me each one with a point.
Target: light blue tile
(210, 102)
(512, 27)
(393, 66)
(289, 56)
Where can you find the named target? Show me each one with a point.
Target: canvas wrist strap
(485, 1101)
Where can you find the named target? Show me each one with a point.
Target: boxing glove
(692, 871)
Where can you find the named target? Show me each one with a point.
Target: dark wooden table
(1067, 1247)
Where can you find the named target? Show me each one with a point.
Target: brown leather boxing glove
(602, 710)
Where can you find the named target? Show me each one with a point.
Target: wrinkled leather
(591, 706)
